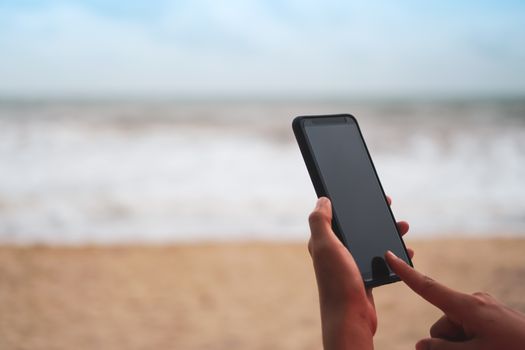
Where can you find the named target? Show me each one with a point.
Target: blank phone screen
(361, 213)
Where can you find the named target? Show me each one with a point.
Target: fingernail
(320, 203)
(392, 255)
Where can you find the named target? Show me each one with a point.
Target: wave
(121, 173)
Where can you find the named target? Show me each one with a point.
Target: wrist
(345, 329)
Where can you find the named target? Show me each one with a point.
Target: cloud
(205, 47)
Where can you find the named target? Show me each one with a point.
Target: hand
(476, 321)
(348, 313)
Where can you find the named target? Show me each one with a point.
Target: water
(171, 171)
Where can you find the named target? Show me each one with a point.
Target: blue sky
(255, 47)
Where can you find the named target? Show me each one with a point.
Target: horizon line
(258, 97)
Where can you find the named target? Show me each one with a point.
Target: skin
(348, 314)
(470, 321)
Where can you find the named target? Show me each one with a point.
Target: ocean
(163, 171)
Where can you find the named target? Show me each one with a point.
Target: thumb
(320, 219)
(441, 344)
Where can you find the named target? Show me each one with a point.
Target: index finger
(446, 299)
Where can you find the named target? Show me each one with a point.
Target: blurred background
(152, 193)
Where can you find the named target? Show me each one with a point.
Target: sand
(219, 296)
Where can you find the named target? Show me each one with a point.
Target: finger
(445, 328)
(410, 252)
(448, 300)
(389, 200)
(441, 344)
(402, 227)
(320, 219)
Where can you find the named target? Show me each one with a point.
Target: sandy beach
(219, 296)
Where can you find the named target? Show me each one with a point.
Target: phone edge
(315, 178)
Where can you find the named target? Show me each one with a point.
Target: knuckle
(321, 249)
(427, 285)
(483, 299)
(434, 330)
(316, 217)
(484, 295)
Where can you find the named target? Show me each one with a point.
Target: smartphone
(341, 169)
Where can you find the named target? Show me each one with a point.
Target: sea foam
(122, 172)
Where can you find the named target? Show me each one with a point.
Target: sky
(261, 48)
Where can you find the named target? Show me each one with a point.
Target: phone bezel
(298, 126)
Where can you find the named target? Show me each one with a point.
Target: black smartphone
(341, 169)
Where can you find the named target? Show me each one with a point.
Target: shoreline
(234, 241)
